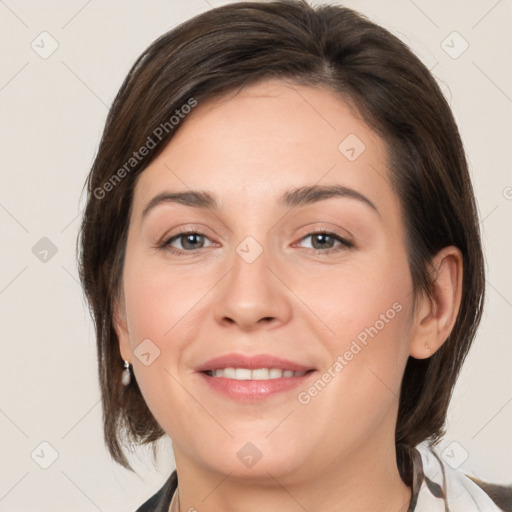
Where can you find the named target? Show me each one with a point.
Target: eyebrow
(292, 198)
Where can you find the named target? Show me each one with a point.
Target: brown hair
(227, 47)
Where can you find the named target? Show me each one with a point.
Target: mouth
(250, 378)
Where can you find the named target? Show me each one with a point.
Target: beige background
(52, 113)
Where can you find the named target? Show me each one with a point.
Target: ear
(434, 318)
(121, 328)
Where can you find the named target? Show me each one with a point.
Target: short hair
(330, 46)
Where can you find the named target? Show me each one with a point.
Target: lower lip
(253, 389)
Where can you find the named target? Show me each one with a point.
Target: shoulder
(161, 500)
(442, 487)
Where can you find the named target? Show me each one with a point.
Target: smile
(253, 374)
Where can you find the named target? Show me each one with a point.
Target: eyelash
(345, 244)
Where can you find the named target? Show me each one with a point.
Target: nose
(253, 295)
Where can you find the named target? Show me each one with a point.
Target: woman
(282, 256)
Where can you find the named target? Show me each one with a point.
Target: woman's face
(257, 288)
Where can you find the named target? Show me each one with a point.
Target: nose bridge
(252, 292)
(250, 272)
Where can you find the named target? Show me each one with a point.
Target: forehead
(259, 142)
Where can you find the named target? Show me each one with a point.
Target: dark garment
(160, 501)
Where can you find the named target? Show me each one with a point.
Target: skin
(336, 452)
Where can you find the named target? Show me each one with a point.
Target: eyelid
(200, 229)
(328, 228)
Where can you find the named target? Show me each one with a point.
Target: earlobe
(436, 315)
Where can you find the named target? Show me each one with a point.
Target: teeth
(242, 374)
(261, 374)
(256, 374)
(229, 373)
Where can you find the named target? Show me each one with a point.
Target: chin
(254, 458)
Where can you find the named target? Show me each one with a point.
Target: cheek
(367, 357)
(371, 293)
(369, 314)
(157, 303)
(158, 300)
(164, 310)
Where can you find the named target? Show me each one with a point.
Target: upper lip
(251, 362)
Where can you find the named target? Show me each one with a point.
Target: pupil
(323, 237)
(190, 240)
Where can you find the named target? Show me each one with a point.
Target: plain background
(52, 112)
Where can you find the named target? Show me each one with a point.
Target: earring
(426, 346)
(126, 375)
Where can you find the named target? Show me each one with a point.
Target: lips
(251, 363)
(253, 378)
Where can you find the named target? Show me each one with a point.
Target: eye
(324, 241)
(190, 241)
